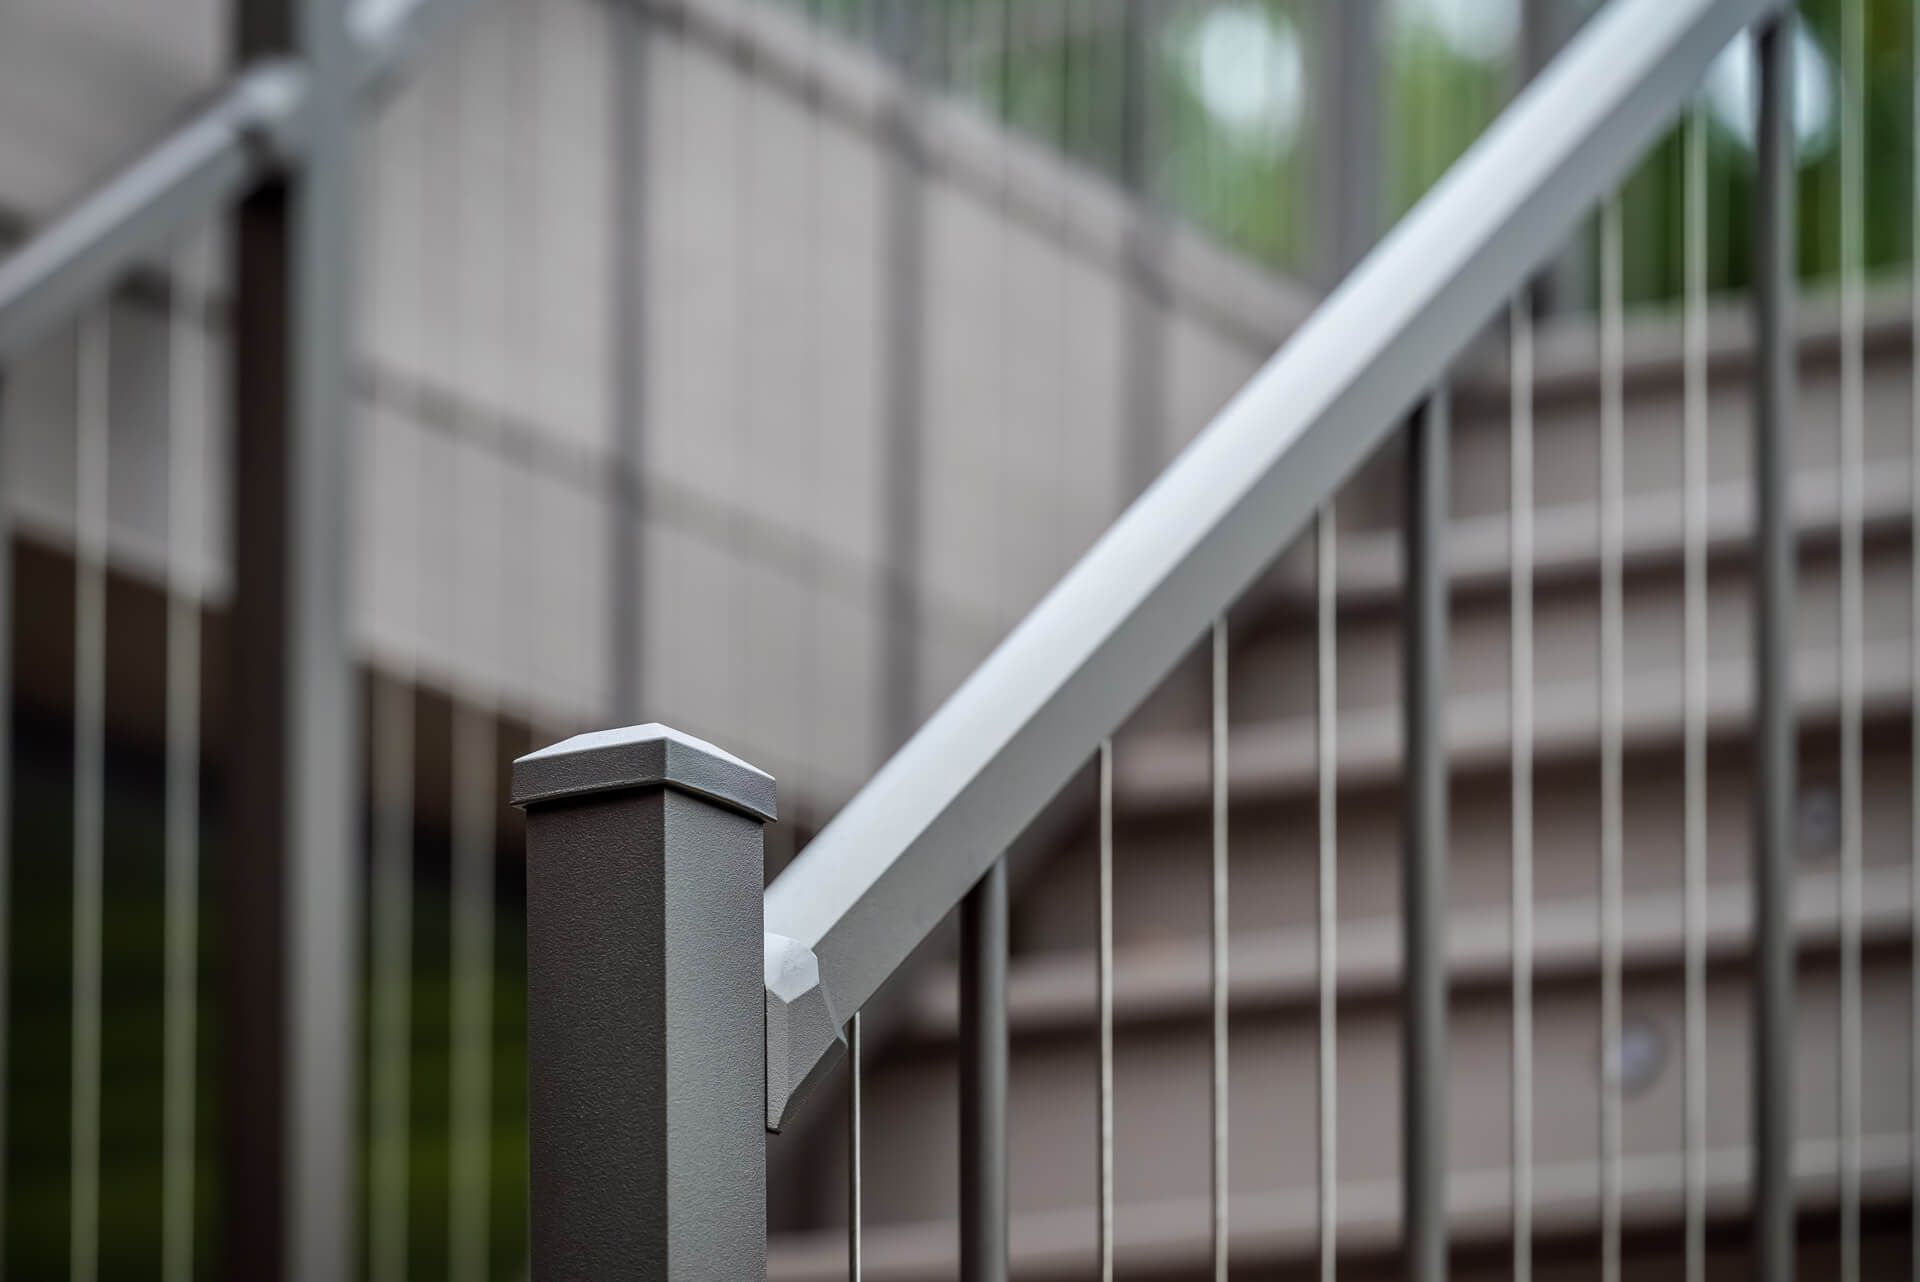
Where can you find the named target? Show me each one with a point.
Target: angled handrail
(255, 126)
(906, 849)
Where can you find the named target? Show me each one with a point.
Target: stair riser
(1163, 861)
(1162, 1075)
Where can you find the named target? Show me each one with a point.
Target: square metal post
(646, 1073)
(1424, 868)
(1775, 734)
(290, 921)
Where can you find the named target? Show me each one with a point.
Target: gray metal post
(646, 1082)
(1349, 135)
(1142, 373)
(983, 1078)
(292, 878)
(626, 503)
(1774, 744)
(903, 310)
(1545, 28)
(1424, 869)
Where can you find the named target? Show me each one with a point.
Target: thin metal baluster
(1424, 864)
(1913, 671)
(983, 1078)
(392, 1030)
(1852, 658)
(1520, 909)
(393, 748)
(1694, 700)
(856, 1209)
(1217, 935)
(188, 396)
(475, 806)
(89, 781)
(6, 792)
(1612, 677)
(1327, 717)
(1774, 743)
(1104, 982)
(470, 1089)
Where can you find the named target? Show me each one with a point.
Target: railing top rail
(255, 125)
(908, 846)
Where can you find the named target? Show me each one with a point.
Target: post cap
(639, 757)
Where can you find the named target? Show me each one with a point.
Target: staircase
(1161, 896)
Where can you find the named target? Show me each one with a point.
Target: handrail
(906, 849)
(254, 127)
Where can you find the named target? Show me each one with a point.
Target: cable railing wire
(91, 443)
(1103, 980)
(856, 1147)
(1217, 979)
(189, 380)
(1326, 914)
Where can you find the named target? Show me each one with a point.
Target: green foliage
(40, 1010)
(1054, 69)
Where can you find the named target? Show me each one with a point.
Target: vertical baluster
(187, 401)
(1612, 678)
(1217, 938)
(1520, 907)
(902, 358)
(89, 780)
(856, 1146)
(983, 1078)
(1774, 744)
(1326, 724)
(1104, 985)
(392, 749)
(1424, 865)
(471, 771)
(1913, 665)
(1852, 658)
(470, 1094)
(1694, 699)
(6, 791)
(631, 73)
(392, 964)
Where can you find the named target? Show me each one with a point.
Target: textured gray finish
(645, 1076)
(1423, 916)
(1774, 731)
(638, 756)
(916, 838)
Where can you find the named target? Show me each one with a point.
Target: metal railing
(272, 154)
(648, 1041)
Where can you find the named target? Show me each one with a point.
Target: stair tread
(1281, 1226)
(1054, 991)
(1567, 544)
(1169, 769)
